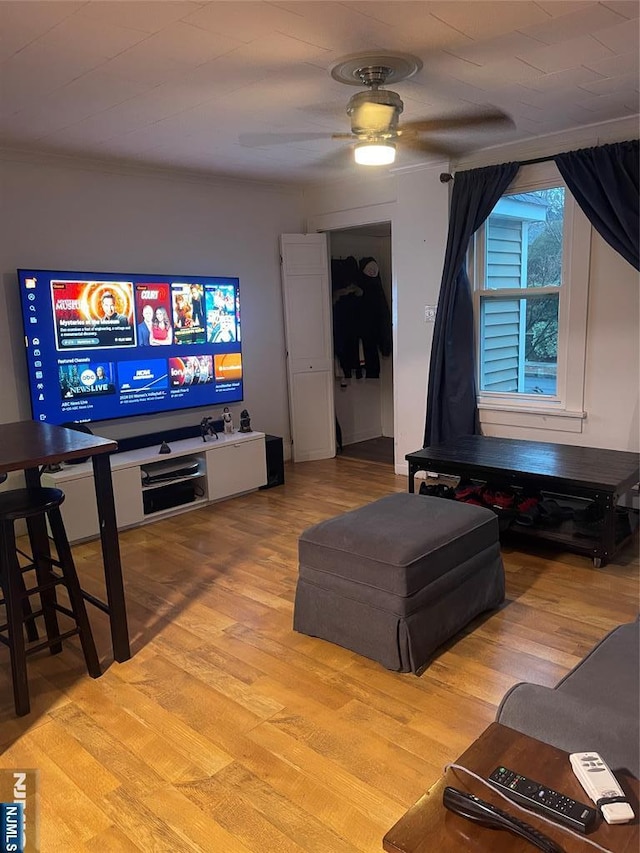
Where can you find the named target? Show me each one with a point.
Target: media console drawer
(228, 466)
(236, 468)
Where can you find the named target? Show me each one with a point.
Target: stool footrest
(62, 609)
(43, 644)
(46, 644)
(43, 587)
(96, 602)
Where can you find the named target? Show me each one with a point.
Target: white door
(307, 318)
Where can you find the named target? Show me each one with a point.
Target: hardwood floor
(229, 732)
(373, 450)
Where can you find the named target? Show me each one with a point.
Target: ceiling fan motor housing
(368, 119)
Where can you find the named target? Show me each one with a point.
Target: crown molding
(127, 168)
(601, 133)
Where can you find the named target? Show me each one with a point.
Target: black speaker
(165, 497)
(275, 461)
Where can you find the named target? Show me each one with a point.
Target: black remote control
(473, 808)
(543, 799)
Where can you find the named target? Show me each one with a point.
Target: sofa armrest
(570, 724)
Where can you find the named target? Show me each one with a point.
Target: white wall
(57, 214)
(416, 204)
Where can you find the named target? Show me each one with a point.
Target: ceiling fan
(375, 113)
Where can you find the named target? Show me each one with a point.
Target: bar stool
(35, 506)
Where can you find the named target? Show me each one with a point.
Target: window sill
(559, 420)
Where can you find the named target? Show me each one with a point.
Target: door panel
(307, 301)
(315, 422)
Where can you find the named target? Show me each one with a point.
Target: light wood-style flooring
(227, 732)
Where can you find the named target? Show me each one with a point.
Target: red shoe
(528, 509)
(498, 499)
(466, 489)
(527, 502)
(474, 500)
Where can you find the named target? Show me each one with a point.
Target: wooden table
(429, 827)
(26, 445)
(588, 474)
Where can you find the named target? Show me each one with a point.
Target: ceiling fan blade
(259, 140)
(412, 143)
(343, 136)
(493, 118)
(373, 117)
(342, 158)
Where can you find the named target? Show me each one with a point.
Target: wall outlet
(430, 313)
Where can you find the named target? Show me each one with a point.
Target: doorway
(363, 398)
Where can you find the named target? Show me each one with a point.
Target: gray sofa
(595, 707)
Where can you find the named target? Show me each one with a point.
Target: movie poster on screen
(193, 370)
(188, 313)
(96, 314)
(222, 327)
(153, 314)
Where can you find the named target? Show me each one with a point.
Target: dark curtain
(604, 182)
(451, 397)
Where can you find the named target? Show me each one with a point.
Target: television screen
(102, 346)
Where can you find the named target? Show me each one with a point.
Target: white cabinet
(236, 468)
(127, 495)
(225, 467)
(79, 510)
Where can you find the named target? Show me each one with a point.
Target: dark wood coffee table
(428, 827)
(583, 475)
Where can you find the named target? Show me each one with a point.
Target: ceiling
(175, 84)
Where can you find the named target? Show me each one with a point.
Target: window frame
(518, 408)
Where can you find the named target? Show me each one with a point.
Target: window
(530, 266)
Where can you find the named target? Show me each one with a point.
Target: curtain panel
(604, 182)
(451, 397)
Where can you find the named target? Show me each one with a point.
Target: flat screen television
(102, 346)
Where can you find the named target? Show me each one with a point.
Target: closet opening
(361, 294)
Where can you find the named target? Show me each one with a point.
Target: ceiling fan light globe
(374, 153)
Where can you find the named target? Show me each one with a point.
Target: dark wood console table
(26, 445)
(586, 474)
(428, 826)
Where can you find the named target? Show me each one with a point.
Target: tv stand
(205, 472)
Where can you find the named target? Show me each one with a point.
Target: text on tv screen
(102, 346)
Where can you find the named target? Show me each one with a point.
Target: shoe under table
(398, 577)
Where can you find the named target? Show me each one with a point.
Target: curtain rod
(445, 177)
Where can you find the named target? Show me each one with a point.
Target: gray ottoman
(398, 577)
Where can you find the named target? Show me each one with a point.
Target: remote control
(601, 786)
(486, 814)
(545, 800)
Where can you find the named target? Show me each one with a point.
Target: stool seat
(396, 578)
(25, 503)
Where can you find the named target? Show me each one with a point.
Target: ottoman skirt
(397, 578)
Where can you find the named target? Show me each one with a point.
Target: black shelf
(572, 475)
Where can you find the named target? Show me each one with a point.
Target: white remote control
(600, 784)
